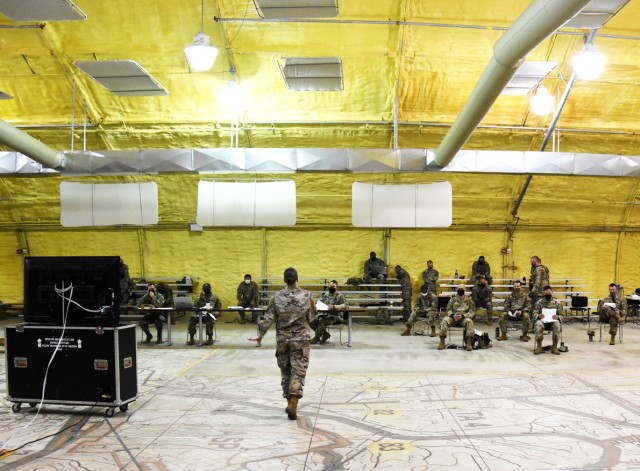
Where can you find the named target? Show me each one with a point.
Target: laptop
(183, 302)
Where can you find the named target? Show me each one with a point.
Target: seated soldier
(460, 312)
(481, 267)
(210, 305)
(549, 320)
(375, 270)
(612, 309)
(336, 303)
(516, 309)
(426, 305)
(166, 291)
(482, 296)
(247, 294)
(149, 301)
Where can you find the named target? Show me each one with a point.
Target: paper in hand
(320, 306)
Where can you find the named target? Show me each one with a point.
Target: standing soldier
(405, 284)
(612, 309)
(336, 302)
(547, 321)
(292, 309)
(460, 312)
(426, 305)
(247, 295)
(516, 308)
(538, 280)
(482, 297)
(481, 267)
(209, 302)
(430, 276)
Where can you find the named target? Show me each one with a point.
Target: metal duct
(29, 146)
(538, 21)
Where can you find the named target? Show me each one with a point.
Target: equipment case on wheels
(94, 366)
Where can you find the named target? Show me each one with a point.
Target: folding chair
(602, 324)
(580, 305)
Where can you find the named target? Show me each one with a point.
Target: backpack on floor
(480, 340)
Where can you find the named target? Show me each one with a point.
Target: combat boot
(441, 344)
(149, 337)
(433, 331)
(191, 341)
(618, 318)
(538, 349)
(525, 338)
(209, 339)
(159, 340)
(407, 331)
(469, 347)
(489, 320)
(503, 336)
(554, 347)
(325, 337)
(292, 407)
(243, 320)
(613, 339)
(314, 340)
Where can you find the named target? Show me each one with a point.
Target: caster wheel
(124, 408)
(16, 407)
(111, 412)
(33, 404)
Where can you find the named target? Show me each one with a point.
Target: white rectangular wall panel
(247, 203)
(107, 204)
(419, 205)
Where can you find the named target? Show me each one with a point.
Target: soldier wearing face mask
(551, 320)
(612, 309)
(426, 305)
(481, 267)
(460, 313)
(211, 305)
(148, 301)
(247, 295)
(336, 303)
(482, 296)
(516, 309)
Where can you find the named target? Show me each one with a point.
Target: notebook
(183, 302)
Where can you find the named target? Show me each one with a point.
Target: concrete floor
(389, 402)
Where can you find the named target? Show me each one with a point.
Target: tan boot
(191, 341)
(503, 336)
(407, 331)
(554, 347)
(209, 340)
(325, 337)
(613, 339)
(441, 344)
(469, 347)
(314, 340)
(619, 319)
(489, 320)
(292, 407)
(538, 349)
(525, 338)
(433, 331)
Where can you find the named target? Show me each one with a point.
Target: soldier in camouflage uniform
(613, 315)
(148, 301)
(547, 302)
(167, 293)
(426, 305)
(405, 284)
(247, 295)
(430, 277)
(517, 307)
(538, 280)
(208, 314)
(482, 296)
(375, 270)
(336, 303)
(481, 267)
(126, 285)
(460, 313)
(292, 309)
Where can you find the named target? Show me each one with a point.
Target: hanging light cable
(200, 54)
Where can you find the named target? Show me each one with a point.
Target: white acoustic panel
(248, 203)
(419, 205)
(99, 204)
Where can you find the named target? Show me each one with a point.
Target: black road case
(94, 366)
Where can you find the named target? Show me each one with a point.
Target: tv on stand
(91, 290)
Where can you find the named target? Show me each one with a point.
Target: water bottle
(456, 275)
(524, 280)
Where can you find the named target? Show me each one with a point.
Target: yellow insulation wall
(581, 227)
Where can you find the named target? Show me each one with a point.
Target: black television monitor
(95, 297)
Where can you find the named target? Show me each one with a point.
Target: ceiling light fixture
(588, 64)
(541, 103)
(200, 54)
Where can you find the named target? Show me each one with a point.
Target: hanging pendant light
(200, 54)
(541, 103)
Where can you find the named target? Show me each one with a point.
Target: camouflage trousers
(540, 327)
(154, 318)
(431, 317)
(406, 302)
(505, 318)
(193, 322)
(607, 315)
(450, 322)
(293, 361)
(320, 323)
(383, 316)
(485, 304)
